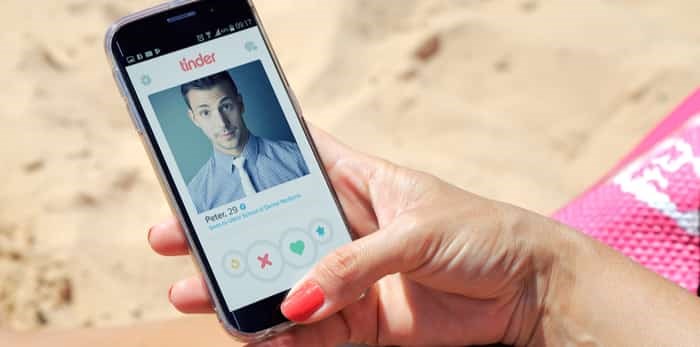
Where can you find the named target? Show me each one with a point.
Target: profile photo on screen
(228, 135)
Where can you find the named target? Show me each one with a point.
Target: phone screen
(237, 159)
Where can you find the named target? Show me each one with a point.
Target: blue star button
(321, 231)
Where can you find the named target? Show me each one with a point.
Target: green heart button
(297, 247)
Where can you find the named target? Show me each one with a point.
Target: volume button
(135, 117)
(129, 106)
(120, 83)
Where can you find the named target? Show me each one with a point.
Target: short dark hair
(207, 83)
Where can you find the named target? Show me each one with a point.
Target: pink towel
(647, 207)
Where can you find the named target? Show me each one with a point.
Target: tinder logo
(199, 61)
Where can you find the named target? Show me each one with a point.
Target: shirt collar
(250, 152)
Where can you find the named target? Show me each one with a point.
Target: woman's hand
(437, 265)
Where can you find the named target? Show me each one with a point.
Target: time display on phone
(243, 24)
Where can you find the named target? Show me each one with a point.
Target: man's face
(217, 111)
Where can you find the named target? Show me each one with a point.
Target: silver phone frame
(160, 169)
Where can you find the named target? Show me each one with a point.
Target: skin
(442, 267)
(218, 113)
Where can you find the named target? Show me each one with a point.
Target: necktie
(248, 188)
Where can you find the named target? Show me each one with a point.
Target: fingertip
(190, 296)
(168, 238)
(303, 302)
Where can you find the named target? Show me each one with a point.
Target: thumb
(342, 276)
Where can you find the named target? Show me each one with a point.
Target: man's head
(216, 107)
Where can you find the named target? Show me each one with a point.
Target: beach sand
(523, 101)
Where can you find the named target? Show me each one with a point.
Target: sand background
(526, 101)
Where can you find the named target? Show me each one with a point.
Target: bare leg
(185, 332)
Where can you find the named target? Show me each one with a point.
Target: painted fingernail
(306, 300)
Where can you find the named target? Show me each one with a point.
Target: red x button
(264, 260)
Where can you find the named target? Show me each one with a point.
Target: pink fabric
(647, 207)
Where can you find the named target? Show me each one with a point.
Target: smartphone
(229, 144)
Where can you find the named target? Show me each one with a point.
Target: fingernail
(306, 300)
(149, 233)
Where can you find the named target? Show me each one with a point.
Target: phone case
(160, 170)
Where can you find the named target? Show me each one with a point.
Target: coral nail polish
(306, 300)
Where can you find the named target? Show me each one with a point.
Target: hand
(437, 265)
